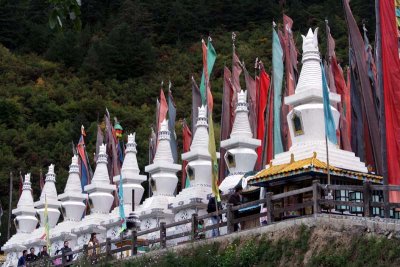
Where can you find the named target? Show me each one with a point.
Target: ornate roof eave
(311, 166)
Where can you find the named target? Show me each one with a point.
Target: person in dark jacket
(31, 257)
(43, 254)
(236, 199)
(22, 259)
(65, 250)
(212, 207)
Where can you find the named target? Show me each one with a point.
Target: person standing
(93, 242)
(31, 257)
(236, 199)
(43, 254)
(65, 250)
(22, 259)
(212, 207)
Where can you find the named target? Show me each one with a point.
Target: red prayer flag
(162, 113)
(252, 101)
(391, 81)
(264, 85)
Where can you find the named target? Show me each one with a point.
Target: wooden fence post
(367, 199)
(229, 218)
(134, 241)
(386, 208)
(108, 248)
(316, 197)
(270, 207)
(195, 226)
(163, 235)
(85, 253)
(63, 259)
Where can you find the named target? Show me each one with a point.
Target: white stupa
(25, 223)
(306, 120)
(49, 195)
(100, 199)
(163, 182)
(194, 198)
(72, 208)
(131, 182)
(240, 156)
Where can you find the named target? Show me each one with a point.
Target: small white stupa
(131, 182)
(49, 195)
(72, 208)
(25, 223)
(163, 181)
(306, 120)
(240, 156)
(194, 198)
(100, 200)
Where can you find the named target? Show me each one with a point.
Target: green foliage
(288, 250)
(363, 251)
(63, 11)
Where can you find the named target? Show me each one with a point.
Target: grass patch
(287, 250)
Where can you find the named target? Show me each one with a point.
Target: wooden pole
(134, 241)
(195, 226)
(108, 248)
(163, 235)
(10, 206)
(316, 197)
(229, 218)
(367, 199)
(270, 207)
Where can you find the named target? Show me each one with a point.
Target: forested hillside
(53, 81)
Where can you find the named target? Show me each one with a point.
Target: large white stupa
(72, 208)
(240, 156)
(49, 195)
(25, 223)
(194, 198)
(100, 199)
(163, 181)
(131, 183)
(306, 120)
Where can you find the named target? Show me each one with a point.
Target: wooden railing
(103, 252)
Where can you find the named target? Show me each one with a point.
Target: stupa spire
(200, 139)
(241, 125)
(100, 190)
(101, 173)
(131, 177)
(72, 198)
(164, 148)
(26, 200)
(49, 194)
(73, 183)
